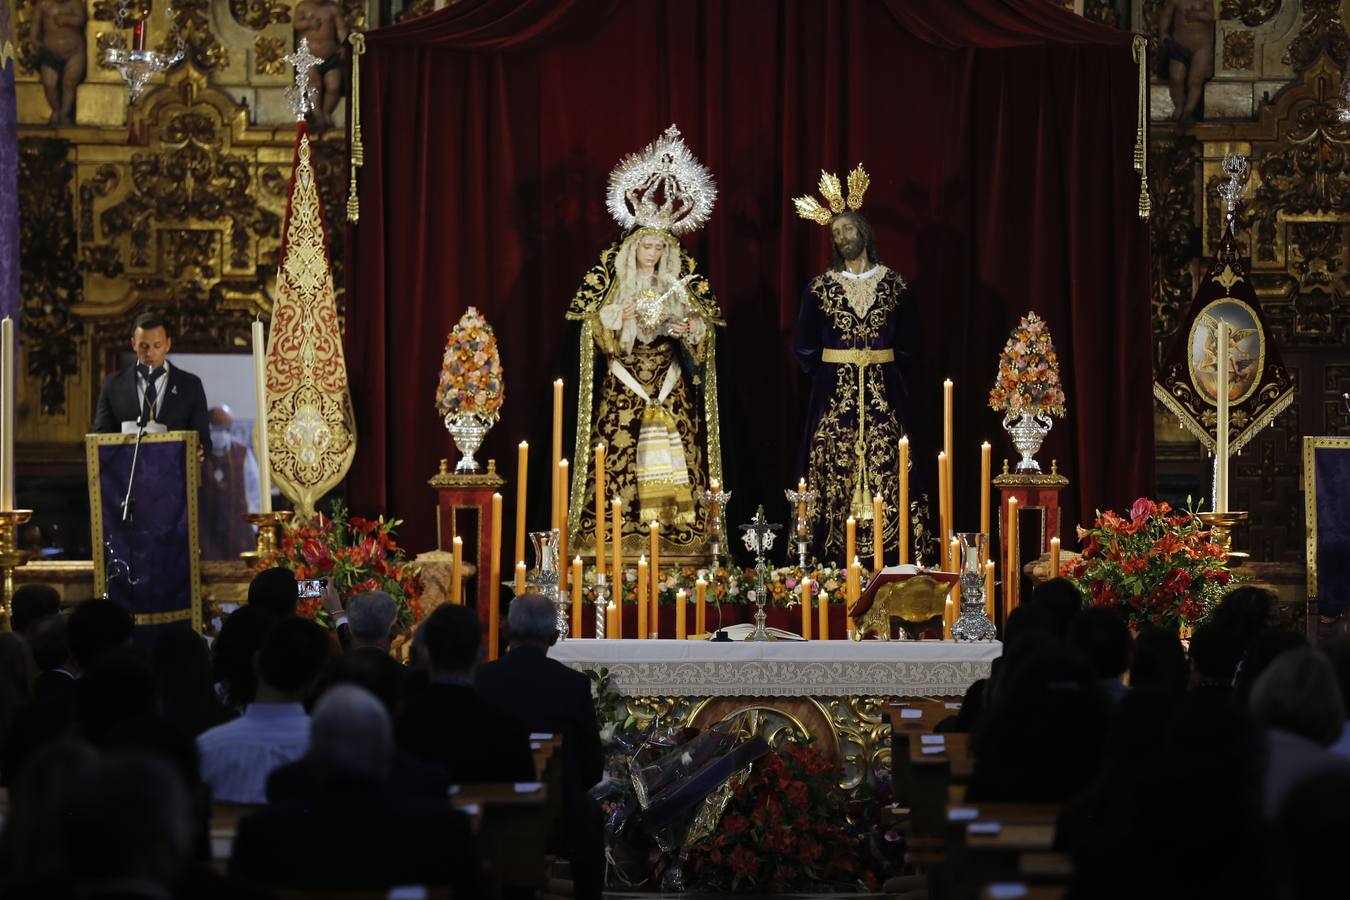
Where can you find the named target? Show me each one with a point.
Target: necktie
(151, 394)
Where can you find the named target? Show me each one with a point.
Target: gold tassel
(1139, 48)
(358, 151)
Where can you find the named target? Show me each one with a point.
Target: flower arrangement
(471, 370)
(1028, 372)
(783, 830)
(355, 555)
(1158, 566)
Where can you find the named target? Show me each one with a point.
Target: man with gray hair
(545, 695)
(402, 840)
(372, 618)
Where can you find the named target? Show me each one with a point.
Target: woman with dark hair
(232, 656)
(182, 665)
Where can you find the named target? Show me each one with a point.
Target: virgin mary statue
(647, 385)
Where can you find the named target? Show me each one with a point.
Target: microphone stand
(129, 502)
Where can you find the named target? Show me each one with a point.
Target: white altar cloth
(783, 668)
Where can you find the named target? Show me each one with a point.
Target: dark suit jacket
(545, 695)
(451, 726)
(183, 409)
(409, 778)
(354, 837)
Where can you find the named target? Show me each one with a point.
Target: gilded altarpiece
(1296, 230)
(173, 204)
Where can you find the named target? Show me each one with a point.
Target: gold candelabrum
(267, 524)
(11, 557)
(1221, 532)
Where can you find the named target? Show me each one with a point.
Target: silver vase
(973, 624)
(544, 579)
(468, 430)
(1027, 433)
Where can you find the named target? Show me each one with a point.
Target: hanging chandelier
(136, 64)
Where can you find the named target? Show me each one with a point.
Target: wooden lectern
(914, 598)
(146, 558)
(1326, 492)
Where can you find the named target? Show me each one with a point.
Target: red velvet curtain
(998, 134)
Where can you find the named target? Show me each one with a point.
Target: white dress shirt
(238, 756)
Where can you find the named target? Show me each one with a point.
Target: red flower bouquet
(354, 554)
(1157, 566)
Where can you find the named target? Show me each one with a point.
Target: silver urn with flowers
(1027, 389)
(470, 391)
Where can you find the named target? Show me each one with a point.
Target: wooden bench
(996, 842)
(512, 828)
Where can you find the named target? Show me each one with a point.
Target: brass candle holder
(267, 533)
(11, 557)
(1221, 532)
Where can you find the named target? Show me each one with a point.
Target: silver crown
(662, 187)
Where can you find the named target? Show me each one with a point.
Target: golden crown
(809, 207)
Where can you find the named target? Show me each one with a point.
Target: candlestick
(823, 602)
(878, 543)
(954, 552)
(985, 463)
(520, 577)
(616, 591)
(522, 477)
(563, 468)
(600, 508)
(643, 633)
(989, 588)
(1054, 557)
(576, 597)
(267, 525)
(612, 621)
(681, 600)
(903, 504)
(801, 500)
(656, 577)
(1221, 425)
(701, 606)
(850, 540)
(947, 424)
(457, 571)
(11, 557)
(942, 511)
(8, 370)
(806, 608)
(558, 486)
(495, 578)
(260, 418)
(1010, 572)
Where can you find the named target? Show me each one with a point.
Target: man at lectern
(165, 395)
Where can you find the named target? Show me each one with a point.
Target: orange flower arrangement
(1028, 372)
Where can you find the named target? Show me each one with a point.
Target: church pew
(1021, 891)
(986, 842)
(406, 892)
(512, 831)
(911, 719)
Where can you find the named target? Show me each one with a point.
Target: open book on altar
(743, 632)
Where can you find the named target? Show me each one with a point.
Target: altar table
(837, 692)
(784, 668)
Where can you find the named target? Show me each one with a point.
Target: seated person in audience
(17, 673)
(31, 604)
(1298, 702)
(233, 654)
(353, 834)
(546, 696)
(1219, 645)
(1263, 649)
(128, 831)
(1062, 599)
(1104, 639)
(51, 652)
(1338, 652)
(32, 846)
(276, 590)
(1310, 837)
(372, 618)
(1158, 661)
(119, 688)
(238, 756)
(448, 723)
(182, 666)
(94, 628)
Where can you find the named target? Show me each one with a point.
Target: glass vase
(544, 579)
(973, 624)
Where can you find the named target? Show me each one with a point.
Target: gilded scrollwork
(258, 14)
(1322, 30)
(1250, 12)
(1174, 234)
(269, 55)
(1239, 49)
(192, 24)
(49, 284)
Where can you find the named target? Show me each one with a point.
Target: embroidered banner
(1259, 386)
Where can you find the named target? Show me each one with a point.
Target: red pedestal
(464, 508)
(1038, 515)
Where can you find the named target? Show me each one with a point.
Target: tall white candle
(7, 414)
(260, 422)
(1221, 433)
